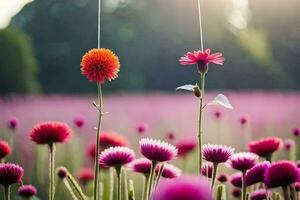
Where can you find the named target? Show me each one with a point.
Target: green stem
(269, 157)
(96, 165)
(7, 192)
(51, 170)
(161, 169)
(146, 179)
(200, 131)
(244, 186)
(215, 168)
(150, 181)
(125, 184)
(119, 171)
(111, 182)
(285, 193)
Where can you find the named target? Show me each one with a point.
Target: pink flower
(171, 136)
(216, 153)
(202, 59)
(157, 150)
(296, 131)
(236, 179)
(50, 132)
(185, 146)
(79, 121)
(281, 173)
(169, 171)
(288, 144)
(141, 165)
(85, 175)
(259, 194)
(4, 149)
(222, 178)
(236, 192)
(243, 161)
(13, 123)
(116, 156)
(184, 187)
(297, 186)
(10, 174)
(256, 173)
(27, 191)
(218, 114)
(244, 119)
(62, 172)
(265, 147)
(142, 128)
(207, 169)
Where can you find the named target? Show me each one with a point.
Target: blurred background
(42, 46)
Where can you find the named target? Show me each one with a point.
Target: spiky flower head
(141, 165)
(256, 173)
(157, 150)
(206, 169)
(243, 161)
(10, 174)
(266, 146)
(27, 191)
(170, 171)
(236, 179)
(116, 156)
(216, 153)
(185, 146)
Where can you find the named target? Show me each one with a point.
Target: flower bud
(197, 91)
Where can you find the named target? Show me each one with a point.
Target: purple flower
(243, 161)
(207, 167)
(141, 165)
(142, 128)
(236, 179)
(10, 174)
(296, 132)
(298, 163)
(157, 150)
(184, 187)
(288, 144)
(116, 156)
(170, 171)
(256, 173)
(297, 186)
(13, 123)
(79, 121)
(185, 146)
(236, 192)
(260, 194)
(222, 177)
(27, 191)
(216, 153)
(281, 173)
(62, 172)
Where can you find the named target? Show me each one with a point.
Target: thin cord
(99, 22)
(200, 25)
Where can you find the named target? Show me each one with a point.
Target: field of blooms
(128, 119)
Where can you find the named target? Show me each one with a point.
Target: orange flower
(100, 64)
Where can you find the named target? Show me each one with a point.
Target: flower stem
(150, 181)
(125, 185)
(111, 186)
(244, 186)
(119, 171)
(215, 168)
(96, 165)
(285, 193)
(161, 169)
(200, 128)
(145, 187)
(200, 24)
(7, 192)
(51, 170)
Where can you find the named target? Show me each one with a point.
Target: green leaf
(221, 100)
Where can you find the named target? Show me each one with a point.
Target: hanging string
(200, 25)
(98, 38)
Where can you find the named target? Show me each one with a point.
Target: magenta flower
(207, 169)
(79, 121)
(236, 179)
(171, 136)
(141, 165)
(288, 144)
(4, 149)
(170, 171)
(157, 150)
(116, 156)
(185, 146)
(142, 128)
(13, 123)
(27, 191)
(297, 186)
(260, 194)
(265, 147)
(296, 132)
(216, 153)
(222, 178)
(62, 172)
(256, 173)
(244, 119)
(85, 175)
(202, 59)
(298, 163)
(218, 114)
(10, 174)
(236, 192)
(281, 173)
(184, 187)
(243, 161)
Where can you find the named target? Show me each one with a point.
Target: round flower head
(184, 187)
(27, 191)
(10, 174)
(206, 169)
(296, 132)
(50, 132)
(13, 123)
(243, 119)
(79, 121)
(157, 150)
(141, 165)
(202, 59)
(236, 192)
(260, 194)
(281, 173)
(288, 144)
(141, 128)
(62, 172)
(297, 186)
(185, 146)
(116, 156)
(222, 178)
(4, 149)
(243, 161)
(266, 146)
(170, 171)
(85, 175)
(218, 114)
(171, 136)
(236, 179)
(100, 64)
(216, 153)
(256, 173)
